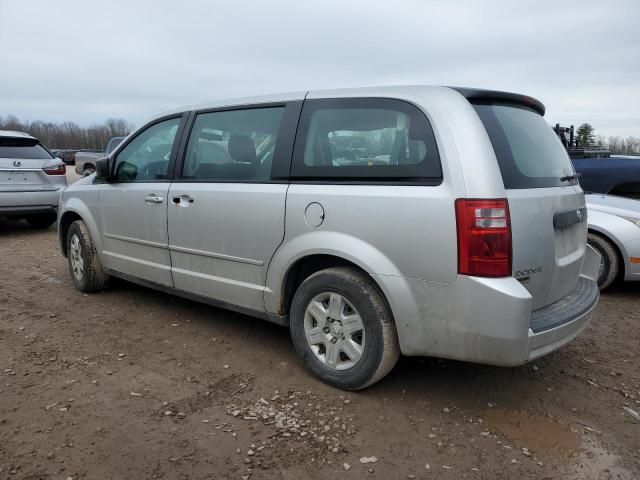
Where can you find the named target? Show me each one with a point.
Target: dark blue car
(616, 175)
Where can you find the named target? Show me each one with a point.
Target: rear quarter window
(363, 140)
(529, 153)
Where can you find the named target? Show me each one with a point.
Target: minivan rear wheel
(610, 262)
(342, 328)
(84, 264)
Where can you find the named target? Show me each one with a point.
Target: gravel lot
(132, 383)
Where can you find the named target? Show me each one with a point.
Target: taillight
(59, 169)
(484, 237)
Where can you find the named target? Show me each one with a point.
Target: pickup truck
(617, 175)
(599, 170)
(86, 161)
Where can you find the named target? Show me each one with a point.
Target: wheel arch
(66, 219)
(73, 210)
(619, 249)
(306, 266)
(315, 251)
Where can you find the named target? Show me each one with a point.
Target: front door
(225, 212)
(133, 205)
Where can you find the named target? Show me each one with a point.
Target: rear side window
(233, 145)
(23, 148)
(530, 155)
(365, 139)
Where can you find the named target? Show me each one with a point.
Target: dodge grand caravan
(418, 220)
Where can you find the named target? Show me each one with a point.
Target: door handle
(152, 198)
(182, 199)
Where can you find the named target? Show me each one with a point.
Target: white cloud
(85, 61)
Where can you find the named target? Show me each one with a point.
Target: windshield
(530, 155)
(23, 148)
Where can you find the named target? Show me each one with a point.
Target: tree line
(70, 135)
(586, 136)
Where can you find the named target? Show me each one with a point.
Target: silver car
(614, 231)
(31, 179)
(373, 222)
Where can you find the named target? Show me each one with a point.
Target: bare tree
(69, 135)
(615, 144)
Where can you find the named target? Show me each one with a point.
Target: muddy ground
(135, 384)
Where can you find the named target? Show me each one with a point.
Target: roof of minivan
(398, 90)
(13, 134)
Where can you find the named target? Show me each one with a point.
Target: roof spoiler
(472, 94)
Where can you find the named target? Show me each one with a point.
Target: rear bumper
(546, 341)
(487, 320)
(25, 203)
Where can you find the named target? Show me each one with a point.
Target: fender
(88, 214)
(614, 228)
(341, 245)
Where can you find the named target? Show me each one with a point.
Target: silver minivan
(372, 222)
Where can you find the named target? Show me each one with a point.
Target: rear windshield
(529, 153)
(23, 148)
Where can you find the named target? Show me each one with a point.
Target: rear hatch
(546, 203)
(21, 165)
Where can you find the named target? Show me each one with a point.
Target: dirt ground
(134, 384)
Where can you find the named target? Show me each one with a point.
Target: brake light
(484, 237)
(59, 169)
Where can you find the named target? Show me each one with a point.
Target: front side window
(146, 157)
(362, 139)
(233, 145)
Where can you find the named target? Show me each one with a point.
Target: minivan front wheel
(342, 328)
(84, 264)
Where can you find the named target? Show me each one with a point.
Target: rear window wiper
(566, 178)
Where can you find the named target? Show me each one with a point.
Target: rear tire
(610, 264)
(88, 170)
(342, 328)
(84, 264)
(42, 220)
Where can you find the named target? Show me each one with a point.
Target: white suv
(31, 179)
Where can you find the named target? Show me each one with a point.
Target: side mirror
(103, 168)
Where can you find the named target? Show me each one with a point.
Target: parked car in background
(614, 231)
(615, 175)
(31, 179)
(454, 227)
(599, 170)
(86, 161)
(67, 156)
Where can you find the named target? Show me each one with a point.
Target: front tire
(88, 170)
(342, 329)
(84, 264)
(42, 220)
(610, 263)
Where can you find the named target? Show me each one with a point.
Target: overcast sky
(88, 60)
